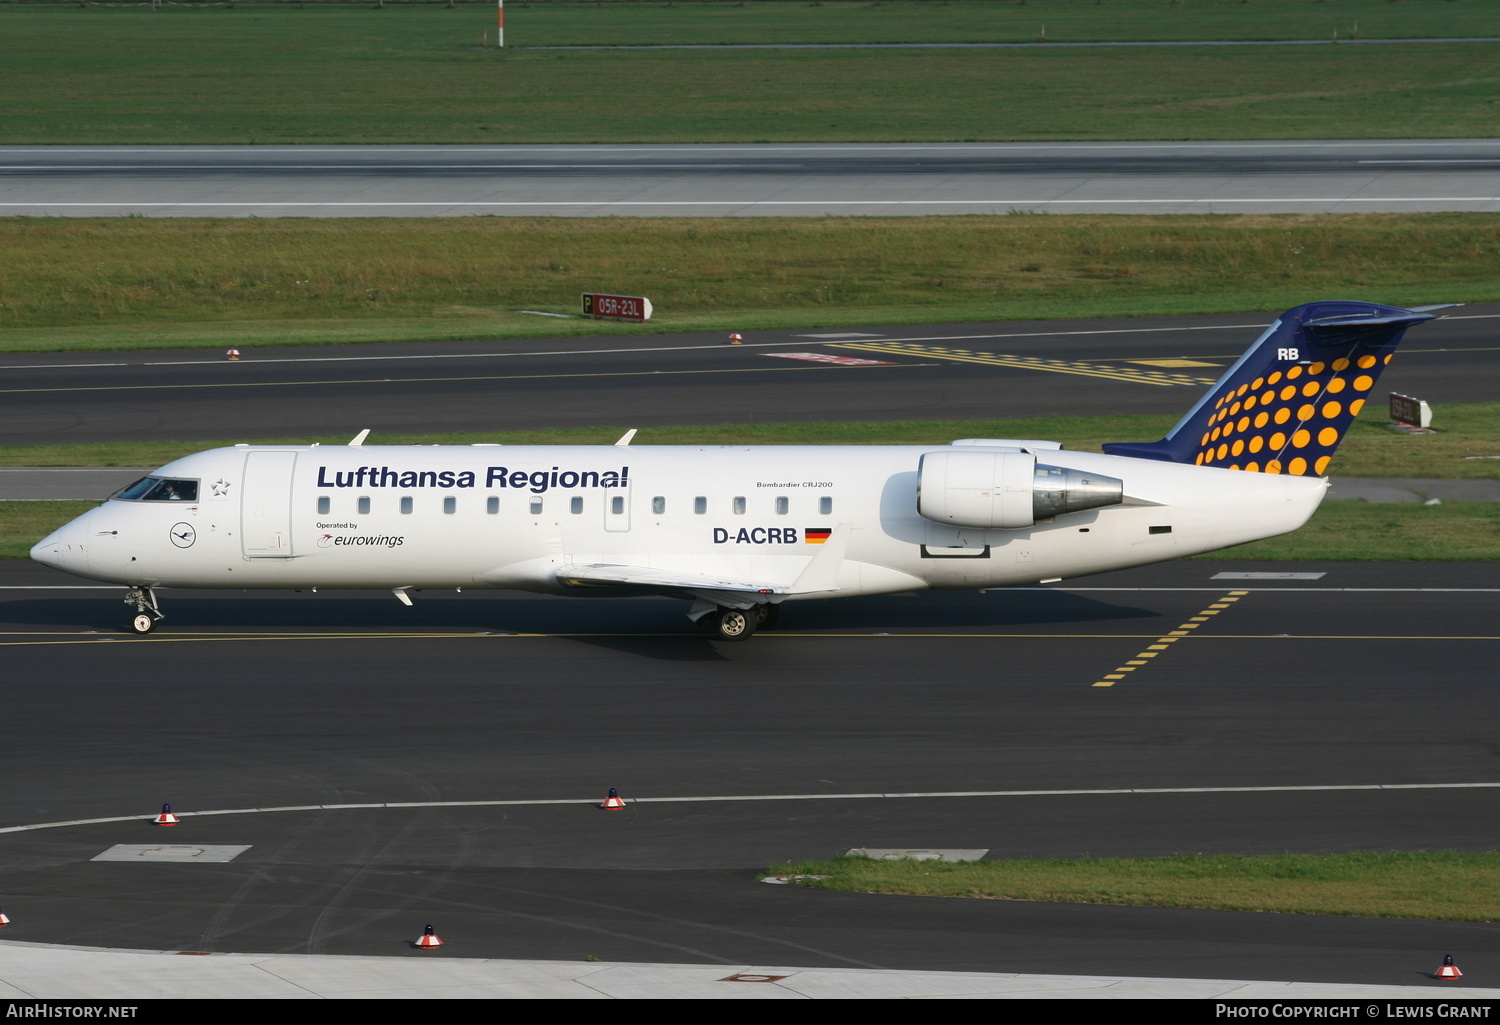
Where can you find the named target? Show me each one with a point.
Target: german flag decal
(815, 535)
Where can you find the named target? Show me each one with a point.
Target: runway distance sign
(1410, 411)
(617, 307)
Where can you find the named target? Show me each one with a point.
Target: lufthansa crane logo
(183, 535)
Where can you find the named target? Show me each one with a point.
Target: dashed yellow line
(1056, 366)
(1165, 642)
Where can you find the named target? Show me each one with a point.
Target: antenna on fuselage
(625, 438)
(359, 439)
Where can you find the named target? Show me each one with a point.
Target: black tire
(143, 623)
(766, 615)
(732, 624)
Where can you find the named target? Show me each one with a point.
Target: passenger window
(659, 505)
(825, 505)
(405, 505)
(324, 504)
(536, 507)
(739, 505)
(700, 505)
(492, 505)
(577, 504)
(617, 505)
(450, 505)
(781, 505)
(364, 505)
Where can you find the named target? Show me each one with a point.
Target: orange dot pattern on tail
(1288, 420)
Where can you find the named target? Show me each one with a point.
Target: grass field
(629, 23)
(417, 74)
(1455, 886)
(23, 524)
(129, 283)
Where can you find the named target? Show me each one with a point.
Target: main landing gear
(726, 624)
(147, 614)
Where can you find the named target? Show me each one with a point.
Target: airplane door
(617, 510)
(266, 505)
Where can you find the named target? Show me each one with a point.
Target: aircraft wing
(649, 579)
(819, 575)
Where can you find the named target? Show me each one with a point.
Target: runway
(752, 180)
(1364, 678)
(1345, 708)
(907, 372)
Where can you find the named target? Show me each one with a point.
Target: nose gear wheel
(147, 614)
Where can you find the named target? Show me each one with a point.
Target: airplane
(739, 531)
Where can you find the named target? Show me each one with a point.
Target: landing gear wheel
(147, 613)
(766, 615)
(731, 624)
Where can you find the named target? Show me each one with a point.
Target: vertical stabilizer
(1289, 400)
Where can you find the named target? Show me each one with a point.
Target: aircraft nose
(64, 548)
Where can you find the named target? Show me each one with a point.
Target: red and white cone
(429, 940)
(4, 919)
(232, 354)
(613, 802)
(1449, 969)
(736, 339)
(166, 818)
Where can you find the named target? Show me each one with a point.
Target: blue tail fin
(1289, 400)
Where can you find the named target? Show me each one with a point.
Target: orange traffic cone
(1449, 969)
(4, 919)
(166, 818)
(613, 801)
(429, 940)
(233, 354)
(736, 339)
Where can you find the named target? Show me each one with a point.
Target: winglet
(625, 438)
(359, 439)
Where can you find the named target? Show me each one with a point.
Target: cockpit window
(174, 491)
(157, 489)
(138, 489)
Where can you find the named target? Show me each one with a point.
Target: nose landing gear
(147, 614)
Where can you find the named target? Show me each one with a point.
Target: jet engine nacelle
(1006, 489)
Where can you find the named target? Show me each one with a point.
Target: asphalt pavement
(361, 749)
(873, 179)
(880, 373)
(1345, 709)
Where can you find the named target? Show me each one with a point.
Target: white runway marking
(727, 798)
(1378, 590)
(1350, 590)
(815, 147)
(1472, 160)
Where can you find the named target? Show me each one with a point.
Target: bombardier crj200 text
(737, 531)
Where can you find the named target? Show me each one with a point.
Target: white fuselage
(514, 516)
